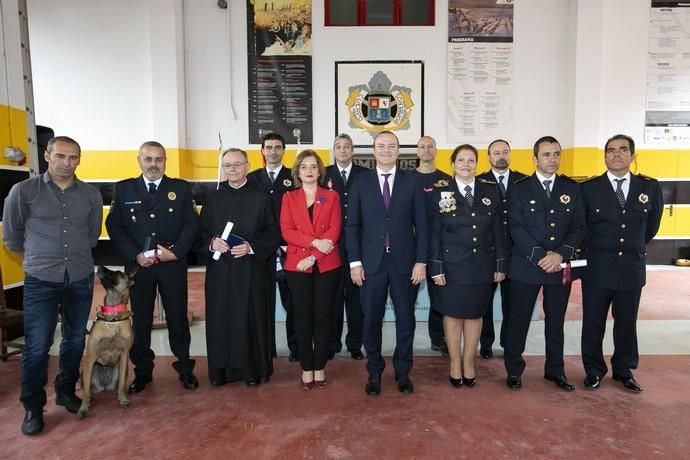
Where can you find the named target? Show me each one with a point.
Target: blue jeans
(41, 302)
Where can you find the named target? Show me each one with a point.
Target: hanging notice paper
(480, 70)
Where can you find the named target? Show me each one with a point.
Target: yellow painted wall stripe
(13, 132)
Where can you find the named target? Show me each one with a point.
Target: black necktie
(343, 174)
(547, 188)
(468, 195)
(272, 176)
(619, 191)
(501, 185)
(152, 188)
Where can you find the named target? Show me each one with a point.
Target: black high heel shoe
(470, 382)
(457, 383)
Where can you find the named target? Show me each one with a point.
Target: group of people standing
(338, 239)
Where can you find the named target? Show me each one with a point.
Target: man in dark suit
(499, 158)
(428, 175)
(155, 212)
(339, 177)
(547, 224)
(388, 245)
(276, 179)
(623, 214)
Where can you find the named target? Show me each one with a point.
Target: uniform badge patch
(172, 196)
(643, 198)
(486, 201)
(447, 202)
(287, 183)
(565, 199)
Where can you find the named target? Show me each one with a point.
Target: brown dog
(110, 339)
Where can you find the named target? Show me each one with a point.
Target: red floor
(280, 420)
(666, 296)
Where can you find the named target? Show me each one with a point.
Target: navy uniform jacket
(513, 177)
(538, 225)
(168, 216)
(334, 181)
(616, 237)
(283, 183)
(467, 243)
(405, 222)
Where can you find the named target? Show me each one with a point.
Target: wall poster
(480, 70)
(667, 112)
(375, 96)
(279, 64)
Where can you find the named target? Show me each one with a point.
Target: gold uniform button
(552, 224)
(622, 225)
(622, 240)
(620, 253)
(474, 238)
(474, 226)
(472, 214)
(552, 211)
(170, 209)
(505, 211)
(552, 238)
(153, 233)
(152, 216)
(623, 211)
(474, 251)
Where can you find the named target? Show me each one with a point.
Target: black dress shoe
(441, 348)
(292, 357)
(357, 354)
(189, 381)
(33, 422)
(254, 383)
(592, 382)
(514, 382)
(218, 382)
(457, 383)
(629, 383)
(373, 386)
(486, 353)
(469, 382)
(561, 382)
(405, 385)
(138, 384)
(70, 401)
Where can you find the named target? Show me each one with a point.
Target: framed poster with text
(375, 96)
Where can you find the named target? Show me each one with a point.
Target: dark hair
(235, 150)
(457, 150)
(542, 140)
(152, 144)
(345, 137)
(621, 137)
(488, 149)
(66, 140)
(271, 137)
(386, 132)
(303, 155)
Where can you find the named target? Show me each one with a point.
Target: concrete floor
(280, 420)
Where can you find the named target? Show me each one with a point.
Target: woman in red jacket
(310, 221)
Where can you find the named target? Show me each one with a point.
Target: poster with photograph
(480, 70)
(667, 114)
(279, 64)
(375, 96)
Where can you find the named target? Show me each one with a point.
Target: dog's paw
(81, 415)
(125, 404)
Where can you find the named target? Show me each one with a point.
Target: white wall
(94, 62)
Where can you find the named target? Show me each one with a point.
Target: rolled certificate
(576, 263)
(224, 235)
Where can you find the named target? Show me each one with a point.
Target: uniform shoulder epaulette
(486, 181)
(522, 179)
(642, 176)
(441, 183)
(568, 178)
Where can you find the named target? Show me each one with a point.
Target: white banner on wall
(667, 115)
(480, 70)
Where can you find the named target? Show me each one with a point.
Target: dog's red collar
(114, 308)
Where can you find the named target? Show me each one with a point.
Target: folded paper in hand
(576, 263)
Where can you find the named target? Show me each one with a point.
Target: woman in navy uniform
(468, 254)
